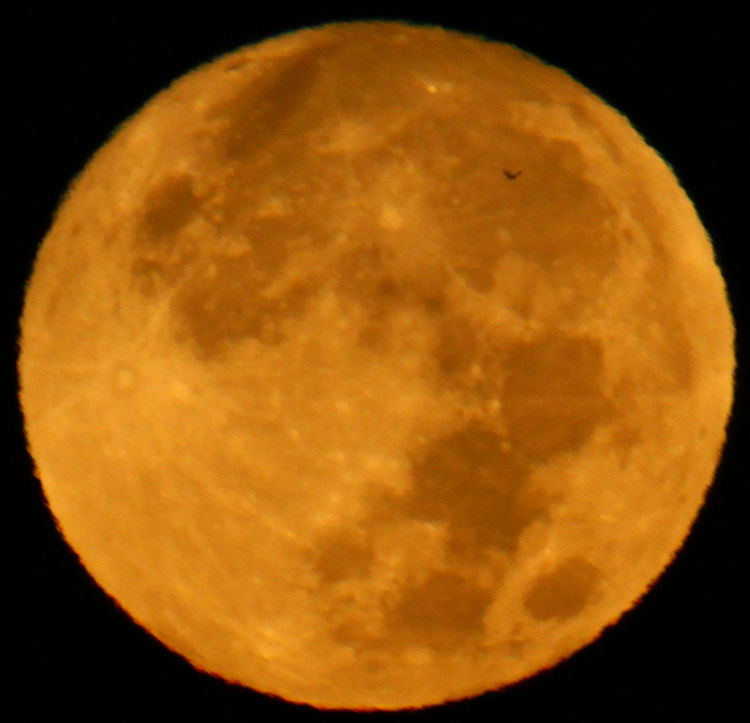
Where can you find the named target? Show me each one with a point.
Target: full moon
(376, 366)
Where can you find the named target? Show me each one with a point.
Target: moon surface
(375, 366)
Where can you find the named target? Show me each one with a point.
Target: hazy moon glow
(376, 366)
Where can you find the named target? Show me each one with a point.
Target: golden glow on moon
(376, 366)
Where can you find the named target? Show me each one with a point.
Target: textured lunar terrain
(375, 383)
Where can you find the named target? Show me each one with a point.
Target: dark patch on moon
(150, 276)
(272, 241)
(468, 480)
(160, 251)
(479, 277)
(550, 389)
(564, 592)
(168, 207)
(264, 109)
(368, 276)
(552, 394)
(343, 554)
(220, 307)
(555, 218)
(443, 612)
(457, 348)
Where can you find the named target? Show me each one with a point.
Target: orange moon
(376, 366)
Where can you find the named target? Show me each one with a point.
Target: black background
(679, 75)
